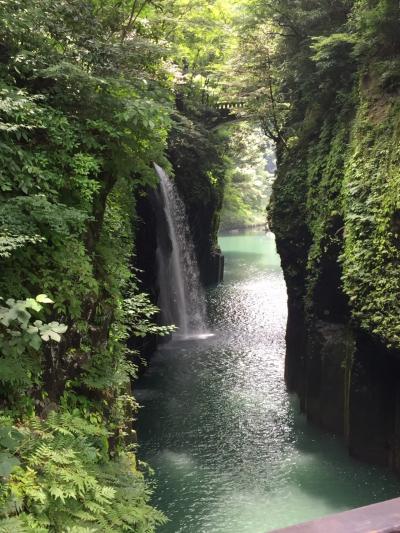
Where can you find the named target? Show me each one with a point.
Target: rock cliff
(335, 211)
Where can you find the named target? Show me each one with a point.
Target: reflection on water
(230, 451)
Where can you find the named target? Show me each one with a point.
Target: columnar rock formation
(335, 212)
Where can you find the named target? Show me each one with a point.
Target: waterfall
(181, 299)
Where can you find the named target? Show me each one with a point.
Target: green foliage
(86, 99)
(371, 254)
(21, 338)
(138, 314)
(9, 242)
(91, 94)
(249, 178)
(377, 23)
(335, 206)
(58, 477)
(59, 472)
(334, 56)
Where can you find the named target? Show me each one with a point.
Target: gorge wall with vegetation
(91, 96)
(334, 111)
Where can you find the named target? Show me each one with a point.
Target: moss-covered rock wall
(196, 151)
(197, 165)
(336, 214)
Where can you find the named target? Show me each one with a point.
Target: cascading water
(181, 299)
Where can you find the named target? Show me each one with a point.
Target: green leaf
(33, 304)
(23, 316)
(35, 342)
(7, 464)
(57, 493)
(12, 525)
(31, 329)
(10, 437)
(57, 327)
(43, 299)
(50, 335)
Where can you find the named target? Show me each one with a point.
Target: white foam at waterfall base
(182, 300)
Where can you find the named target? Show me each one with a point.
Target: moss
(326, 162)
(336, 212)
(287, 217)
(371, 199)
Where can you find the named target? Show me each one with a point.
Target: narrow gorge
(199, 263)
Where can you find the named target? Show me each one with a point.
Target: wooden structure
(377, 518)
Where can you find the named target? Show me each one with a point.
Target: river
(230, 451)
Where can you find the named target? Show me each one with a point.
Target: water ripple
(230, 451)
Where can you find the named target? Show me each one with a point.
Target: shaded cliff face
(335, 212)
(195, 154)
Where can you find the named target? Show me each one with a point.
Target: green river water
(230, 451)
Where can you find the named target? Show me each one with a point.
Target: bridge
(230, 105)
(226, 111)
(376, 518)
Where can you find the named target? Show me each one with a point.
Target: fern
(12, 525)
(64, 481)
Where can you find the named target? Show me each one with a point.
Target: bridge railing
(377, 518)
(229, 105)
